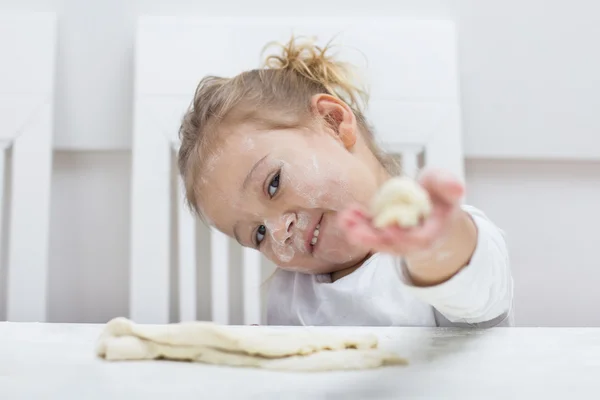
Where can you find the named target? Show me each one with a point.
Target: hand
(445, 192)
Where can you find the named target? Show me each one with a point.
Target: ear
(338, 116)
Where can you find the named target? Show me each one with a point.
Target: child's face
(272, 189)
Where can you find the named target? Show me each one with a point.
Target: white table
(57, 361)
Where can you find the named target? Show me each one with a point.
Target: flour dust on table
(257, 347)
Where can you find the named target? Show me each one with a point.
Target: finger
(350, 218)
(359, 230)
(398, 240)
(396, 232)
(431, 229)
(425, 236)
(353, 221)
(442, 210)
(442, 186)
(365, 236)
(422, 236)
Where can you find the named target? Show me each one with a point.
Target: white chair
(27, 51)
(415, 108)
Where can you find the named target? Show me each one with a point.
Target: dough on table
(256, 347)
(400, 201)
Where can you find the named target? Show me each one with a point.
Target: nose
(282, 228)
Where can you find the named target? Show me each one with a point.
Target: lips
(312, 235)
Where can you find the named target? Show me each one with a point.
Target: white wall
(549, 211)
(529, 73)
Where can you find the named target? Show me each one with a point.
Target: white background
(529, 83)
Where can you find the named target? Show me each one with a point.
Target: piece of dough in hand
(400, 201)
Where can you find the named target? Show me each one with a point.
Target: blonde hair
(277, 96)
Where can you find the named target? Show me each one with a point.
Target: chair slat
(410, 163)
(150, 222)
(3, 149)
(30, 220)
(219, 263)
(252, 282)
(187, 259)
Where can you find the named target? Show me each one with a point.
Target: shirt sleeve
(479, 295)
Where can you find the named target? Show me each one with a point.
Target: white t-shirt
(379, 293)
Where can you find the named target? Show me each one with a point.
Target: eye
(260, 234)
(274, 185)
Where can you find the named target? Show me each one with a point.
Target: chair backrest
(27, 50)
(412, 72)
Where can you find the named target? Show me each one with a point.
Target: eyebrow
(252, 170)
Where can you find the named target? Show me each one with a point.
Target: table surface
(57, 361)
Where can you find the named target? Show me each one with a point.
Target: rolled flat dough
(400, 201)
(241, 347)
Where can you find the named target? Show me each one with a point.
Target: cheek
(279, 254)
(282, 254)
(320, 184)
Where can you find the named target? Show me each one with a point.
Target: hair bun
(304, 57)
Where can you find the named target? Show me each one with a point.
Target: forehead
(242, 147)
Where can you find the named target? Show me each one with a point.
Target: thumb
(442, 185)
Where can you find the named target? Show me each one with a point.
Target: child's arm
(481, 293)
(441, 261)
(457, 260)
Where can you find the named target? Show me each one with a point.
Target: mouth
(313, 236)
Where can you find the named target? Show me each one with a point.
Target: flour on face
(303, 220)
(280, 233)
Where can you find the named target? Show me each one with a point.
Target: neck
(348, 270)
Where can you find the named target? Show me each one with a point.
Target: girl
(283, 160)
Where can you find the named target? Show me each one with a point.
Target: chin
(342, 265)
(314, 269)
(344, 258)
(333, 261)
